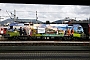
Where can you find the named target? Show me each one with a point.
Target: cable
(8, 14)
(50, 12)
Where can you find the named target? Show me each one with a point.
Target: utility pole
(0, 16)
(62, 21)
(75, 18)
(89, 20)
(36, 16)
(14, 15)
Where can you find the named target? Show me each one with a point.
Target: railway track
(45, 50)
(45, 55)
(44, 43)
(26, 38)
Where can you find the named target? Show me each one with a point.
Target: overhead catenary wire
(8, 14)
(51, 12)
(47, 13)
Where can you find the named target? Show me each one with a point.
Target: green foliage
(47, 22)
(76, 35)
(38, 35)
(14, 33)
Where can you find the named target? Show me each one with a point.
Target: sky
(45, 12)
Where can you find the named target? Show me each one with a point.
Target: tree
(53, 23)
(47, 22)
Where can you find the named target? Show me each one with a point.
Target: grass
(52, 35)
(38, 35)
(76, 35)
(13, 33)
